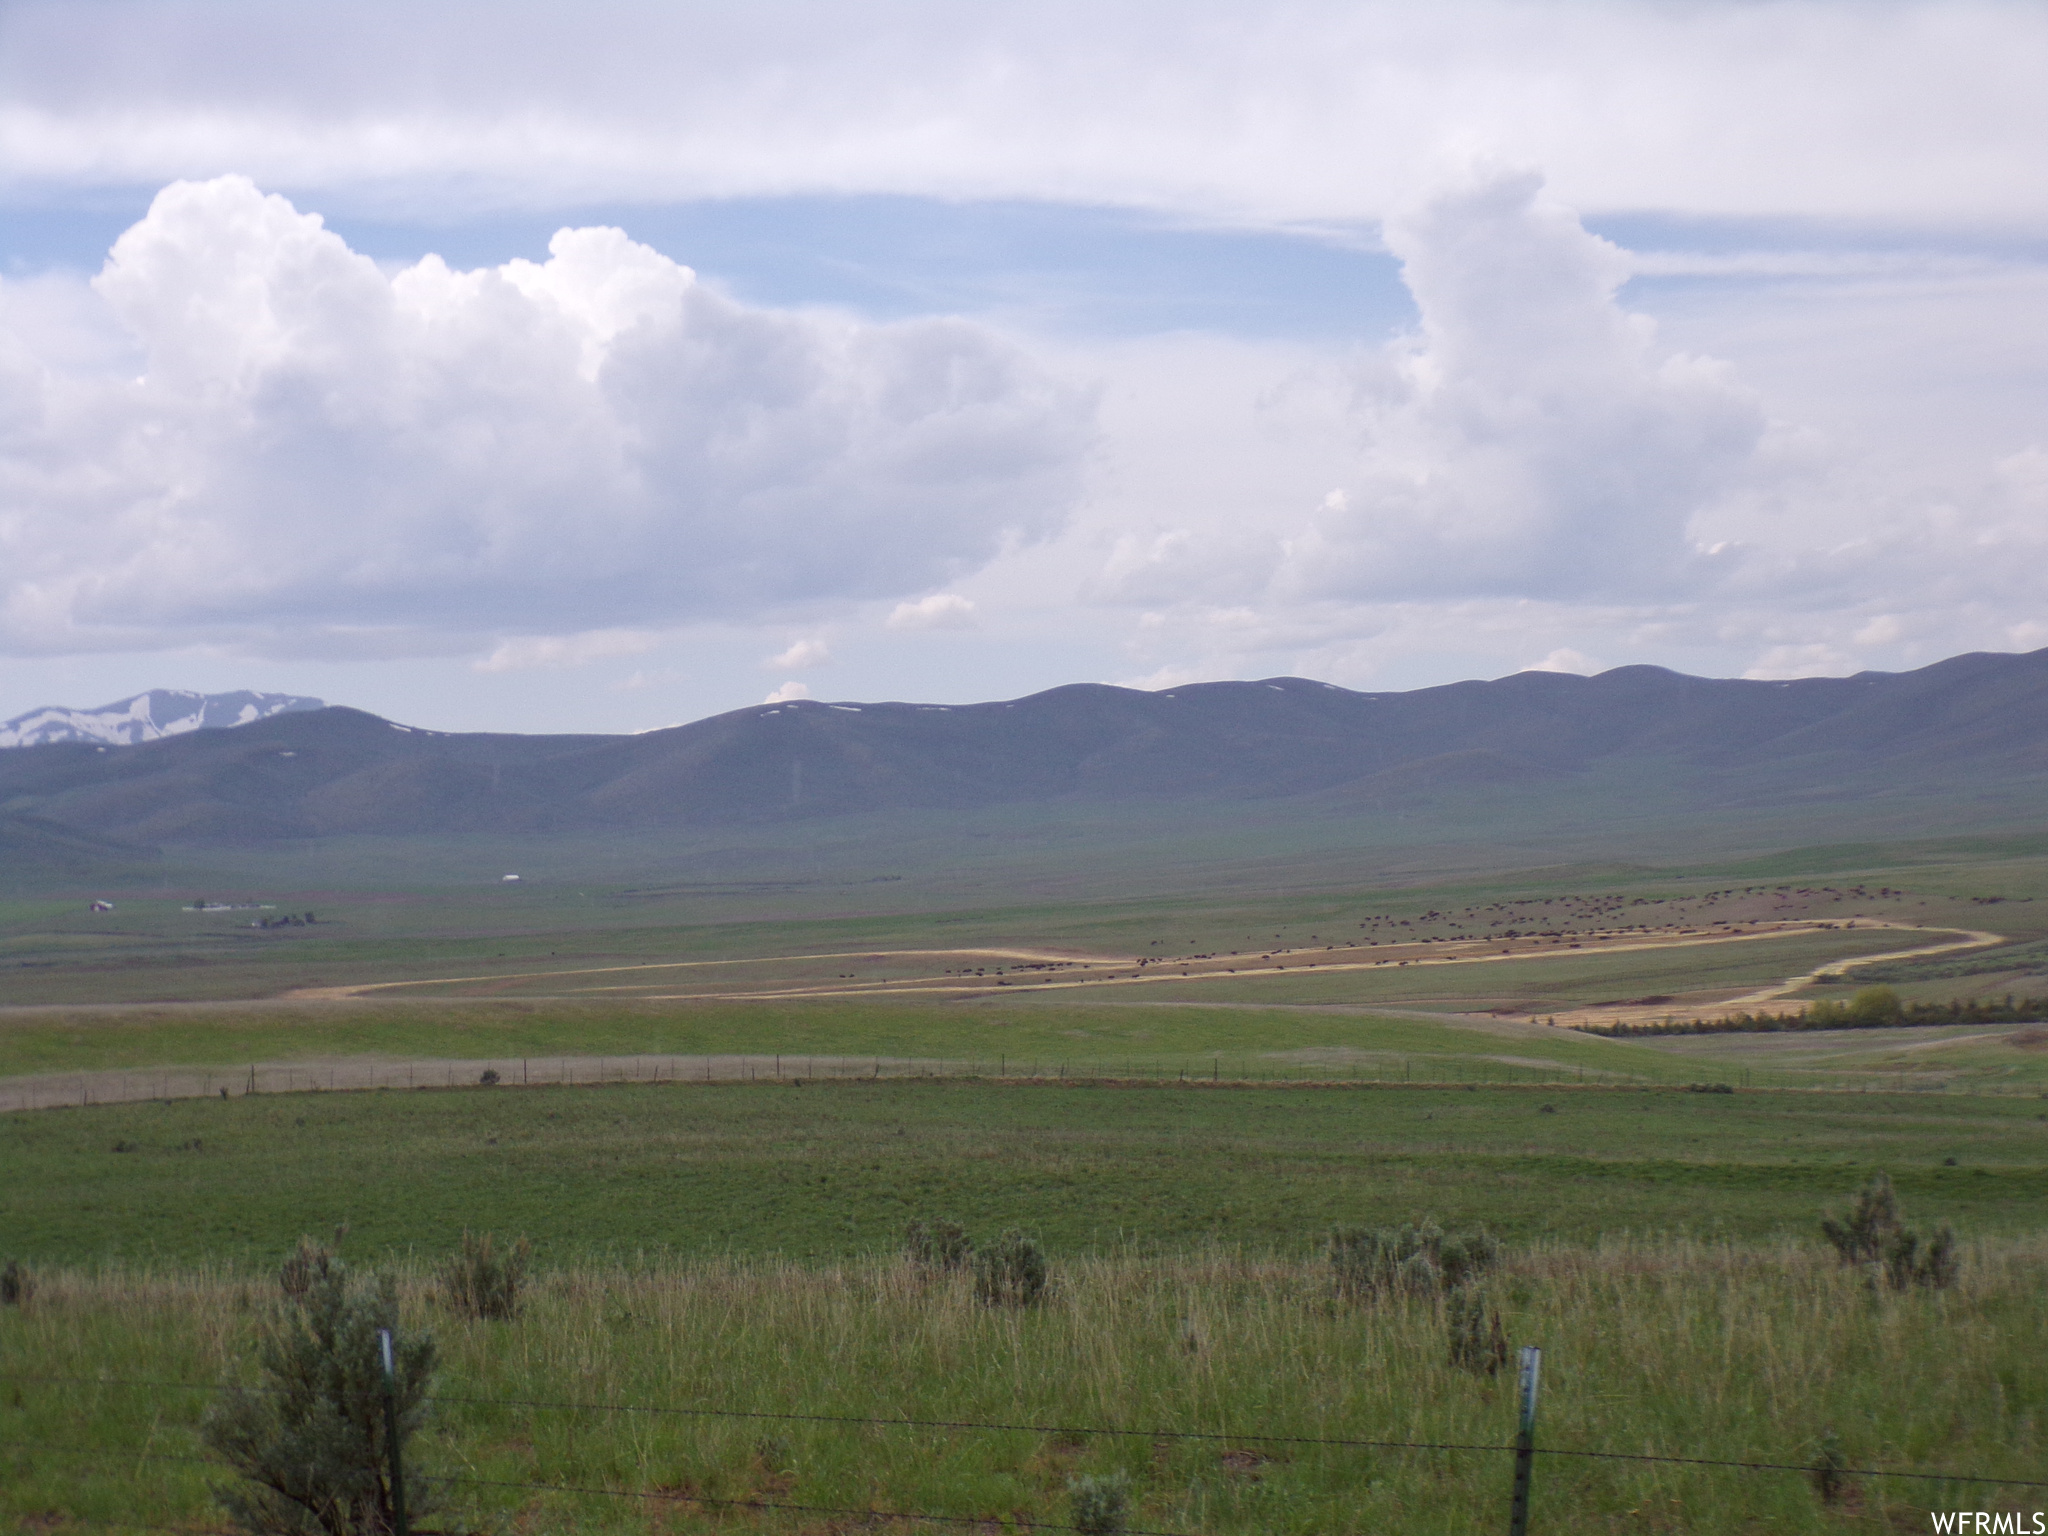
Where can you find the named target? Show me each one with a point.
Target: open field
(418, 914)
(1751, 1353)
(835, 1169)
(67, 1056)
(730, 1244)
(562, 974)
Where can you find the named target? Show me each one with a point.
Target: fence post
(1525, 1439)
(391, 1434)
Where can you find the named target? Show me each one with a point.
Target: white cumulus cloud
(942, 610)
(788, 691)
(800, 655)
(308, 452)
(1564, 659)
(1531, 438)
(525, 652)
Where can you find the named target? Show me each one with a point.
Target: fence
(1827, 1473)
(361, 1074)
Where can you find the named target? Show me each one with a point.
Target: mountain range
(1974, 726)
(147, 716)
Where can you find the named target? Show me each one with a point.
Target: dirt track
(359, 1073)
(1078, 970)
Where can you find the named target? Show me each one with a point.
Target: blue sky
(953, 354)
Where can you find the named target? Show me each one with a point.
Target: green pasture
(1124, 1034)
(835, 1169)
(1026, 1035)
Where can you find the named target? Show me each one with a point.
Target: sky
(601, 367)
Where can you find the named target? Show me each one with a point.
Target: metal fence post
(1525, 1439)
(391, 1435)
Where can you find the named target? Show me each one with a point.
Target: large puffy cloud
(311, 451)
(1535, 471)
(1530, 439)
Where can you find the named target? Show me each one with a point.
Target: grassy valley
(1175, 1050)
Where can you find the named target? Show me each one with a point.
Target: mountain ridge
(1971, 724)
(148, 716)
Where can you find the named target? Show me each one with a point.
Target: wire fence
(121, 1460)
(358, 1074)
(362, 1074)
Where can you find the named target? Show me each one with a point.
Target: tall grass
(1748, 1353)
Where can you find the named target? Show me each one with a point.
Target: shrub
(1828, 1466)
(1909, 1262)
(772, 1454)
(1874, 1233)
(1100, 1504)
(938, 1245)
(1872, 1222)
(1477, 1340)
(1011, 1271)
(310, 1443)
(481, 1282)
(490, 1078)
(1419, 1260)
(306, 1266)
(17, 1284)
(1709, 1087)
(1874, 1007)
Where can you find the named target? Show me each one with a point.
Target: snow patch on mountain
(148, 717)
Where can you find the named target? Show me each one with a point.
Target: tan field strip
(337, 994)
(1097, 971)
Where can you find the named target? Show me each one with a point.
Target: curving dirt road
(1074, 970)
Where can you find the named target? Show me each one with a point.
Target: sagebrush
(1478, 1341)
(1874, 1232)
(1100, 1505)
(305, 1267)
(1011, 1271)
(309, 1440)
(482, 1281)
(938, 1244)
(1418, 1260)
